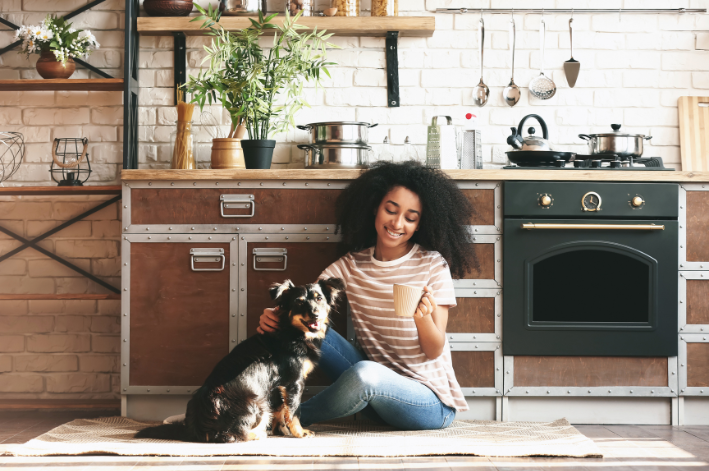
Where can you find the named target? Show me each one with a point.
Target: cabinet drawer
(590, 376)
(477, 317)
(478, 368)
(694, 365)
(176, 322)
(693, 226)
(693, 290)
(486, 198)
(231, 206)
(488, 273)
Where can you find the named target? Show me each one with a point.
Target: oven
(590, 268)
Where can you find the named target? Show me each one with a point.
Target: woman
(401, 223)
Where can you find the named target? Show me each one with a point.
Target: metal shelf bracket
(392, 58)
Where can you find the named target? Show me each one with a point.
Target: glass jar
(385, 7)
(183, 146)
(306, 6)
(346, 7)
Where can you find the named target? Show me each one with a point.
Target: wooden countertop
(476, 175)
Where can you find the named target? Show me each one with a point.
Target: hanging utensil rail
(570, 10)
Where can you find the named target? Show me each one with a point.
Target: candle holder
(69, 163)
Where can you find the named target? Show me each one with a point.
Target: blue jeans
(359, 383)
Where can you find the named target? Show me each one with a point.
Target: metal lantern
(70, 161)
(12, 151)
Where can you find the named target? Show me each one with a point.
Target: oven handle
(615, 227)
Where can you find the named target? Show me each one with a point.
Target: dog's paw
(256, 435)
(305, 433)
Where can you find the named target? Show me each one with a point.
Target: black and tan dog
(260, 382)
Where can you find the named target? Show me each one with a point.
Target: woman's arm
(431, 321)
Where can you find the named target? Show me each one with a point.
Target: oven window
(589, 286)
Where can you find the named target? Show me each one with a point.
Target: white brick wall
(59, 349)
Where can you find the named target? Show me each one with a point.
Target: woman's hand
(268, 322)
(427, 304)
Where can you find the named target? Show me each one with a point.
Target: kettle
(531, 142)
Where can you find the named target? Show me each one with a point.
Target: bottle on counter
(470, 144)
(385, 153)
(409, 152)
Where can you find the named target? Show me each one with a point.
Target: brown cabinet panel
(552, 371)
(179, 319)
(306, 260)
(697, 226)
(472, 315)
(485, 254)
(484, 203)
(697, 302)
(697, 364)
(202, 206)
(474, 369)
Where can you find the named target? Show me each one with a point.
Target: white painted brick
(628, 23)
(630, 98)
(78, 229)
(401, 115)
(107, 115)
(58, 343)
(700, 80)
(441, 59)
(11, 5)
(95, 20)
(87, 248)
(685, 60)
(640, 79)
(658, 117)
(626, 59)
(411, 59)
(156, 60)
(105, 343)
(414, 96)
(339, 78)
(678, 22)
(156, 96)
(164, 78)
(453, 40)
(101, 133)
(356, 97)
(97, 98)
(26, 324)
(370, 78)
(448, 77)
(78, 383)
(112, 38)
(376, 59)
(432, 5)
(46, 363)
(662, 136)
(63, 307)
(16, 383)
(377, 43)
(594, 41)
(5, 363)
(99, 363)
(52, 268)
(13, 307)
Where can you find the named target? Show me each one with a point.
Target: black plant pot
(258, 152)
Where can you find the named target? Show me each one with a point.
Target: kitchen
(633, 70)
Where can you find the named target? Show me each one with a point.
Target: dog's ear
(331, 288)
(277, 290)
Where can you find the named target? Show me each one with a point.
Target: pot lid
(337, 123)
(616, 133)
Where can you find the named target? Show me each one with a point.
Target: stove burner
(591, 162)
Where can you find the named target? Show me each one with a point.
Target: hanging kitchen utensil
(511, 93)
(571, 66)
(542, 86)
(534, 151)
(481, 92)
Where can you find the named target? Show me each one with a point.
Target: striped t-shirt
(389, 339)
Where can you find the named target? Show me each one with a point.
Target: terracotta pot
(227, 154)
(50, 68)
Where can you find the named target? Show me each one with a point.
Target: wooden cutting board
(694, 133)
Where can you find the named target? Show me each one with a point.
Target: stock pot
(336, 156)
(338, 132)
(617, 143)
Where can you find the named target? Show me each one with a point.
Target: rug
(114, 435)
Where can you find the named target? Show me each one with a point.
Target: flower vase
(50, 68)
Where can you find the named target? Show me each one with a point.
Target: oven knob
(637, 202)
(545, 201)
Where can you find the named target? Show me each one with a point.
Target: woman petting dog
(405, 224)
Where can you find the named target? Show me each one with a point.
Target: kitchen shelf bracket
(392, 58)
(180, 49)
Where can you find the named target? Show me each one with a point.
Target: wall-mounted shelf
(113, 84)
(370, 26)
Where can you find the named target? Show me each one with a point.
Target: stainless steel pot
(616, 142)
(240, 7)
(335, 155)
(339, 132)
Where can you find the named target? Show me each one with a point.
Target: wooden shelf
(105, 85)
(59, 190)
(57, 297)
(371, 26)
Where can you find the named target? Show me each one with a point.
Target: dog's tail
(173, 431)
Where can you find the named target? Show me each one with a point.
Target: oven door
(590, 287)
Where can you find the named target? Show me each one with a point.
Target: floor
(625, 447)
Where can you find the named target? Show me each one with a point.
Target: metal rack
(676, 11)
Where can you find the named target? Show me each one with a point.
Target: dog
(260, 382)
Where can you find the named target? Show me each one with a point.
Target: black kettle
(535, 151)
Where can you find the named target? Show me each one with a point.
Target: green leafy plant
(56, 35)
(261, 88)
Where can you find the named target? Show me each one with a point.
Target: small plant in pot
(57, 43)
(261, 88)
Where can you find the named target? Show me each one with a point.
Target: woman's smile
(396, 221)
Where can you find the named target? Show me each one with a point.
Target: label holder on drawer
(210, 255)
(239, 201)
(269, 255)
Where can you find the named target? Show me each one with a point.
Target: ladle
(542, 86)
(481, 93)
(511, 93)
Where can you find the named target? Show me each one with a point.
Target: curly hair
(445, 211)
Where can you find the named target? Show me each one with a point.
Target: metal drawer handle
(268, 255)
(615, 227)
(237, 202)
(207, 256)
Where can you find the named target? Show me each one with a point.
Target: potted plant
(57, 43)
(262, 89)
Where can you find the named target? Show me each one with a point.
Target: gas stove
(592, 162)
